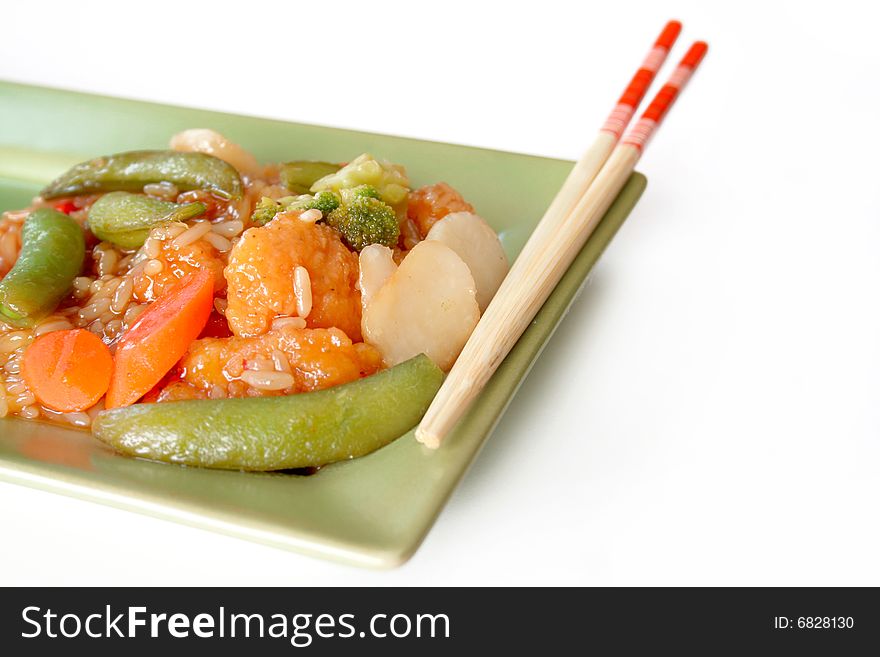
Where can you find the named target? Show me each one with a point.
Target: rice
(191, 234)
(234, 367)
(103, 299)
(311, 216)
(302, 289)
(132, 313)
(30, 412)
(52, 323)
(122, 295)
(228, 229)
(288, 322)
(153, 267)
(263, 380)
(81, 286)
(279, 359)
(112, 328)
(218, 242)
(15, 340)
(78, 419)
(259, 365)
(106, 259)
(152, 247)
(94, 310)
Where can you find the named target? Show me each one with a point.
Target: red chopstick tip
(668, 35)
(695, 54)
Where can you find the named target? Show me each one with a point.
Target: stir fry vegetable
(299, 176)
(132, 170)
(265, 211)
(159, 337)
(233, 313)
(52, 252)
(326, 202)
(125, 219)
(363, 220)
(68, 370)
(275, 433)
(389, 179)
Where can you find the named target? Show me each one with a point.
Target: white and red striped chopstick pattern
(644, 128)
(629, 101)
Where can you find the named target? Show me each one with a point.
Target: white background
(707, 414)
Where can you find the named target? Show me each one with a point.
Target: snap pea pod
(130, 171)
(125, 219)
(299, 176)
(277, 433)
(52, 252)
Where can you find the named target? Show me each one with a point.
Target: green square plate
(373, 511)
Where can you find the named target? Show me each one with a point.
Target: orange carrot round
(67, 371)
(159, 338)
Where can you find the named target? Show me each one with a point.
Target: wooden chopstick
(588, 166)
(532, 278)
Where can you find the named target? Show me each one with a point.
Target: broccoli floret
(265, 211)
(389, 180)
(326, 202)
(367, 191)
(363, 220)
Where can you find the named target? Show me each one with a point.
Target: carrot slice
(67, 370)
(159, 338)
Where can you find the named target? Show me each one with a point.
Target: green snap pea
(52, 252)
(130, 171)
(125, 219)
(299, 176)
(277, 433)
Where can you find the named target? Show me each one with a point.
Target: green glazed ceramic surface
(371, 511)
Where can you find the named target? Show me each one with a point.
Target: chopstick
(585, 169)
(532, 278)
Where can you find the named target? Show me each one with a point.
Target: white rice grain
(153, 267)
(311, 216)
(228, 229)
(259, 365)
(77, 419)
(279, 359)
(122, 295)
(191, 234)
(51, 324)
(131, 314)
(288, 322)
(14, 340)
(218, 242)
(30, 412)
(268, 380)
(152, 247)
(302, 289)
(94, 310)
